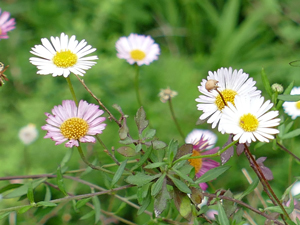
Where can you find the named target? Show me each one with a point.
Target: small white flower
(296, 189)
(230, 83)
(196, 134)
(249, 120)
(28, 134)
(62, 56)
(293, 108)
(138, 49)
(166, 94)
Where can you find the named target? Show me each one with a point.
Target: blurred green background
(195, 36)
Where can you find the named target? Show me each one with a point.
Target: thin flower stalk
(72, 90)
(136, 85)
(174, 118)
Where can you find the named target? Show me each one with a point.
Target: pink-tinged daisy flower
(292, 108)
(249, 120)
(202, 165)
(62, 56)
(230, 83)
(6, 24)
(138, 49)
(74, 124)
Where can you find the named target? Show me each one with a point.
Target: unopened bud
(277, 88)
(211, 85)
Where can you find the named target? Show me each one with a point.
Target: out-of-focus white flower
(166, 94)
(28, 134)
(292, 108)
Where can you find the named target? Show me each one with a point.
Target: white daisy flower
(28, 134)
(138, 49)
(62, 56)
(196, 135)
(292, 108)
(248, 119)
(230, 83)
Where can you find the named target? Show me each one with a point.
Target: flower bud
(277, 88)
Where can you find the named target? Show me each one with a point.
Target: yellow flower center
(248, 122)
(197, 163)
(298, 105)
(228, 96)
(137, 54)
(74, 128)
(65, 59)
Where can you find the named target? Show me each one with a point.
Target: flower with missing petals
(202, 140)
(249, 120)
(74, 124)
(62, 56)
(292, 108)
(230, 83)
(6, 24)
(166, 94)
(137, 49)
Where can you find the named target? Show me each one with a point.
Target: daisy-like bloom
(292, 108)
(202, 165)
(230, 83)
(74, 124)
(166, 94)
(249, 120)
(138, 49)
(196, 135)
(6, 24)
(62, 56)
(28, 134)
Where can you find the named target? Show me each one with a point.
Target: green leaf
(291, 134)
(222, 215)
(60, 181)
(278, 209)
(88, 215)
(143, 159)
(82, 202)
(182, 203)
(123, 131)
(149, 134)
(140, 120)
(266, 82)
(145, 204)
(138, 147)
(155, 165)
(212, 174)
(9, 187)
(118, 173)
(48, 194)
(2, 216)
(142, 192)
(160, 201)
(22, 190)
(289, 98)
(126, 141)
(184, 150)
(158, 144)
(97, 208)
(67, 157)
(25, 209)
(286, 92)
(30, 193)
(126, 151)
(180, 185)
(183, 176)
(141, 179)
(46, 204)
(157, 186)
(251, 187)
(172, 150)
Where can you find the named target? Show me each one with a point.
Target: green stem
(71, 89)
(175, 120)
(26, 160)
(136, 85)
(186, 157)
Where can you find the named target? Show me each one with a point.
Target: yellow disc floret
(74, 128)
(298, 105)
(228, 96)
(197, 163)
(249, 122)
(137, 54)
(65, 59)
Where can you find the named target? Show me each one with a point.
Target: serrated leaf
(212, 174)
(118, 173)
(180, 185)
(126, 141)
(266, 82)
(82, 202)
(150, 133)
(289, 98)
(24, 209)
(141, 179)
(140, 120)
(158, 144)
(155, 165)
(222, 215)
(123, 131)
(157, 186)
(291, 134)
(46, 204)
(22, 190)
(160, 201)
(118, 108)
(60, 181)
